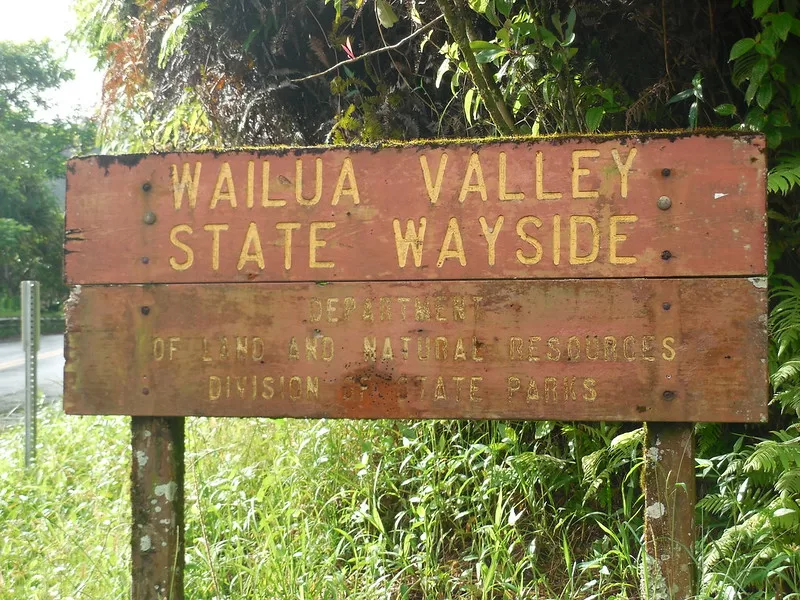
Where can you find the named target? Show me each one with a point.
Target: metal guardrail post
(30, 346)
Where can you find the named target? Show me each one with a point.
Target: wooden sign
(581, 279)
(662, 350)
(630, 207)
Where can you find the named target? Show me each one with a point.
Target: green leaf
(479, 6)
(766, 47)
(782, 22)
(385, 14)
(504, 7)
(750, 93)
(594, 117)
(548, 38)
(177, 30)
(759, 70)
(681, 96)
(697, 86)
(741, 47)
(725, 110)
(571, 21)
(774, 138)
(795, 30)
(760, 7)
(693, 116)
(488, 55)
(483, 45)
(764, 95)
(443, 68)
(468, 104)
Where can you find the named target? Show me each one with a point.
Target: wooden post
(157, 538)
(669, 487)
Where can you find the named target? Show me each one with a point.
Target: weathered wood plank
(635, 350)
(669, 496)
(157, 534)
(563, 208)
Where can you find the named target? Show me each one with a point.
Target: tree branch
(488, 91)
(371, 52)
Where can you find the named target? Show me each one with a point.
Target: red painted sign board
(572, 349)
(583, 278)
(535, 209)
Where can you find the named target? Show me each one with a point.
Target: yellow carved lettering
(314, 243)
(215, 229)
(266, 201)
(224, 189)
(624, 169)
(615, 238)
(574, 257)
(287, 229)
(473, 170)
(540, 193)
(490, 234)
(298, 183)
(452, 236)
(669, 349)
(346, 174)
(413, 239)
(187, 183)
(578, 172)
(504, 195)
(251, 249)
(523, 235)
(173, 237)
(433, 188)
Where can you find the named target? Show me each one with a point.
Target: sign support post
(157, 535)
(30, 346)
(669, 494)
(540, 279)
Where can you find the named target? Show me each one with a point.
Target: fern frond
(770, 456)
(735, 538)
(719, 505)
(789, 400)
(784, 176)
(707, 435)
(786, 372)
(789, 482)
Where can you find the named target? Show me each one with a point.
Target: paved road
(12, 374)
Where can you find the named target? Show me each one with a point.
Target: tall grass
(366, 510)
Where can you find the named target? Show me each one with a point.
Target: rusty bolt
(666, 172)
(145, 310)
(666, 255)
(666, 306)
(145, 260)
(145, 391)
(146, 186)
(664, 203)
(149, 217)
(668, 395)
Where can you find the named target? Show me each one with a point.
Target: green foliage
(534, 61)
(32, 156)
(696, 94)
(332, 509)
(764, 66)
(471, 510)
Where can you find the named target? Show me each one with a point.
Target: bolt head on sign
(522, 279)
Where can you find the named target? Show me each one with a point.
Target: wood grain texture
(669, 505)
(157, 494)
(589, 190)
(633, 350)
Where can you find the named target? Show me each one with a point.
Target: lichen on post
(668, 569)
(157, 536)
